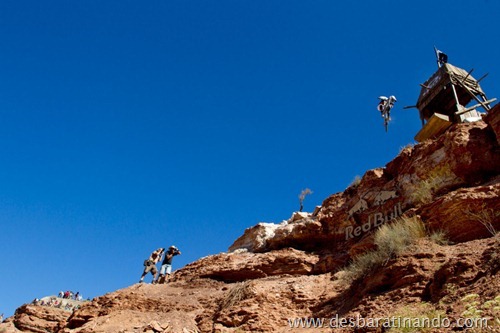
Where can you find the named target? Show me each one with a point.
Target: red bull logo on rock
(374, 219)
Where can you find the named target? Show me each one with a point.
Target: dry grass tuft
(240, 292)
(420, 317)
(485, 216)
(439, 237)
(355, 182)
(436, 179)
(391, 240)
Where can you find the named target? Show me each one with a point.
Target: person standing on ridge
(166, 267)
(150, 264)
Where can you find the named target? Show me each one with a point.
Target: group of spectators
(71, 295)
(56, 303)
(60, 301)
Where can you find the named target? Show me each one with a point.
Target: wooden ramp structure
(437, 125)
(444, 98)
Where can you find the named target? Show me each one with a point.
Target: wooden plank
(486, 107)
(465, 78)
(475, 106)
(482, 77)
(436, 126)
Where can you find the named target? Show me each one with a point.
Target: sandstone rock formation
(275, 275)
(451, 182)
(32, 318)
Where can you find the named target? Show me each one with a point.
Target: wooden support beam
(457, 102)
(465, 78)
(475, 106)
(482, 77)
(486, 107)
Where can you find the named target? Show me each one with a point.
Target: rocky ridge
(275, 274)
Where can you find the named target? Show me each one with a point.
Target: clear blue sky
(126, 125)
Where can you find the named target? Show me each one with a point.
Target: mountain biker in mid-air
(384, 106)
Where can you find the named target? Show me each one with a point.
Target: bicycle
(384, 106)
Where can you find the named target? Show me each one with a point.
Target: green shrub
(364, 264)
(420, 317)
(485, 216)
(437, 178)
(439, 237)
(391, 240)
(475, 310)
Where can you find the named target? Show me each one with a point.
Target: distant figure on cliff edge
(150, 264)
(302, 196)
(166, 267)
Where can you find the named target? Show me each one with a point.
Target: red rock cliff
(275, 274)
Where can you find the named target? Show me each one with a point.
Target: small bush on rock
(239, 292)
(391, 240)
(437, 178)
